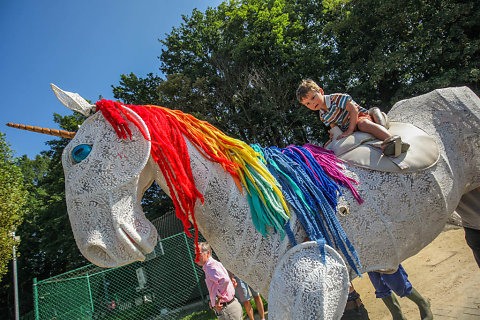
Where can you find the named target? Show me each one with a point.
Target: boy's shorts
(364, 115)
(242, 291)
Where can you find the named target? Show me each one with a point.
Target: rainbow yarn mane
(168, 149)
(309, 176)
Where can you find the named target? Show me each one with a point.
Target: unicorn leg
(305, 287)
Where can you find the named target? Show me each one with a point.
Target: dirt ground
(444, 272)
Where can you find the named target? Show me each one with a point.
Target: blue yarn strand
(313, 195)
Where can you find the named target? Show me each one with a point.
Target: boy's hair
(305, 87)
(204, 246)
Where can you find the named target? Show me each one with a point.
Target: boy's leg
(381, 289)
(422, 303)
(378, 131)
(394, 307)
(398, 282)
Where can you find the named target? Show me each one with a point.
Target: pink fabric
(327, 160)
(218, 281)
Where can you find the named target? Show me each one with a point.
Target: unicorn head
(104, 186)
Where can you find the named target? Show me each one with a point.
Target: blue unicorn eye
(81, 152)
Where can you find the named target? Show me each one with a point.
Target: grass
(208, 314)
(201, 315)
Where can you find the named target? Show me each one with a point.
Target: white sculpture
(402, 213)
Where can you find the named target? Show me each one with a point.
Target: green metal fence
(166, 286)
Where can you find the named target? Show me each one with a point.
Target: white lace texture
(304, 287)
(102, 194)
(402, 213)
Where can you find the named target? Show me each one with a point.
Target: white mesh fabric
(101, 194)
(304, 287)
(402, 213)
(73, 101)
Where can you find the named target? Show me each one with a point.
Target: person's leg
(394, 307)
(359, 313)
(472, 237)
(392, 145)
(231, 312)
(259, 304)
(354, 309)
(383, 291)
(243, 295)
(248, 309)
(376, 130)
(422, 303)
(400, 284)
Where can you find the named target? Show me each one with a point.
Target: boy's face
(314, 100)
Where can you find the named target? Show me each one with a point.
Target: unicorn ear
(73, 101)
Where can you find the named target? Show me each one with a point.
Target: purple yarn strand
(331, 165)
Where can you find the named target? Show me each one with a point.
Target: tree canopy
(238, 66)
(12, 200)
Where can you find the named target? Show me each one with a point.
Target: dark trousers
(472, 236)
(358, 313)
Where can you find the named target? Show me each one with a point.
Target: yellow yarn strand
(222, 146)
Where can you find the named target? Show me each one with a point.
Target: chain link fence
(167, 285)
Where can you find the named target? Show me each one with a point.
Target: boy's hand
(343, 135)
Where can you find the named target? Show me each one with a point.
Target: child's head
(308, 89)
(305, 87)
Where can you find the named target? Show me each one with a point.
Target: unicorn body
(402, 213)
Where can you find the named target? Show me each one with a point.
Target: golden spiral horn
(52, 132)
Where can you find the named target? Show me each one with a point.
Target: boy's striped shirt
(337, 112)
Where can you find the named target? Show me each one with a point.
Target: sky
(80, 46)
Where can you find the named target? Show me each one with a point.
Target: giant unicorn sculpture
(108, 168)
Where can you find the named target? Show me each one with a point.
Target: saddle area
(362, 149)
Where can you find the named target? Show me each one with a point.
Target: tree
(238, 65)
(29, 261)
(13, 210)
(46, 247)
(390, 50)
(12, 200)
(134, 90)
(58, 254)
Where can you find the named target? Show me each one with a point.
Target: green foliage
(238, 65)
(206, 314)
(59, 253)
(231, 66)
(133, 90)
(47, 246)
(12, 200)
(397, 49)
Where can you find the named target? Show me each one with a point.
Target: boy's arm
(353, 115)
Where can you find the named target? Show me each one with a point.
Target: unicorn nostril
(99, 255)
